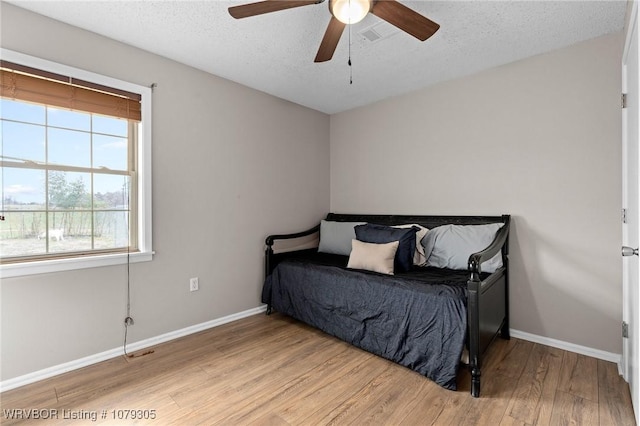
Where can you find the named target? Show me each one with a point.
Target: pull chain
(349, 62)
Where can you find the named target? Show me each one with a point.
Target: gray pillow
(335, 237)
(449, 246)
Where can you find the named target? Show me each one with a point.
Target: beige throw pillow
(373, 257)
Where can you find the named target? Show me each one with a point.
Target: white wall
(539, 139)
(230, 166)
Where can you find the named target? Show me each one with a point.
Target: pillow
(419, 257)
(371, 233)
(449, 246)
(373, 257)
(335, 237)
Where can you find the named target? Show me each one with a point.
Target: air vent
(378, 32)
(371, 35)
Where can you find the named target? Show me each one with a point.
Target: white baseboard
(571, 347)
(112, 353)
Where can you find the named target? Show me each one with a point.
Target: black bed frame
(488, 298)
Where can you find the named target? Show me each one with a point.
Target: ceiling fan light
(349, 11)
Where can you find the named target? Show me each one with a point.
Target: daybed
(421, 317)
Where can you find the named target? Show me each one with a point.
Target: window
(75, 168)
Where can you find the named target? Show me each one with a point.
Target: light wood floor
(276, 371)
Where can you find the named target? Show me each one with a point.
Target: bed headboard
(426, 221)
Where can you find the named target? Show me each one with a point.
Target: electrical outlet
(193, 284)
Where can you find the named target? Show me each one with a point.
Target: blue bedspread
(418, 320)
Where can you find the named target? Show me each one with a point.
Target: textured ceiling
(274, 52)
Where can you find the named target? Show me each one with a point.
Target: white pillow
(449, 246)
(419, 257)
(373, 257)
(335, 237)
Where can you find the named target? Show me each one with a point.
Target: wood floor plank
(491, 408)
(333, 391)
(298, 388)
(535, 391)
(285, 387)
(229, 386)
(273, 370)
(613, 395)
(503, 368)
(507, 420)
(349, 409)
(268, 419)
(41, 394)
(507, 357)
(394, 406)
(239, 395)
(569, 409)
(431, 403)
(577, 376)
(91, 377)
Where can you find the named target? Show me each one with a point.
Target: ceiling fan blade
(330, 40)
(267, 6)
(404, 18)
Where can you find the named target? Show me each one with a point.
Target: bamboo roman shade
(27, 84)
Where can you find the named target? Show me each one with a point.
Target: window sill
(59, 265)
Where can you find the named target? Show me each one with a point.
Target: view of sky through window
(69, 143)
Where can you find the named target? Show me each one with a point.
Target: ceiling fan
(346, 12)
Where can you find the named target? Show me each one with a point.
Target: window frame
(143, 184)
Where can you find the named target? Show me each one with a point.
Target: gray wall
(230, 166)
(539, 139)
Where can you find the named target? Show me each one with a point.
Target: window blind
(28, 84)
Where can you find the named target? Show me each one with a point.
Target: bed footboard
(488, 304)
(488, 317)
